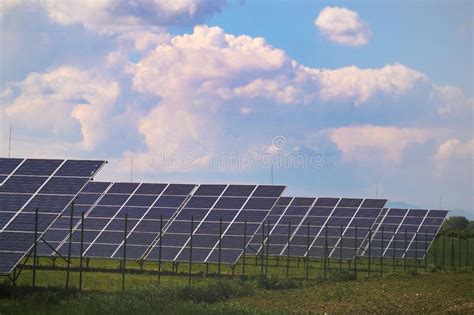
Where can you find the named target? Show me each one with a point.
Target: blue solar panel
(406, 232)
(239, 190)
(150, 189)
(123, 188)
(22, 184)
(95, 187)
(230, 203)
(48, 203)
(141, 200)
(64, 185)
(79, 168)
(40, 167)
(179, 189)
(113, 199)
(12, 202)
(268, 191)
(260, 203)
(201, 202)
(38, 180)
(210, 190)
(8, 165)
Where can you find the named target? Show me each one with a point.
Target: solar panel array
(105, 206)
(322, 227)
(216, 221)
(27, 184)
(404, 232)
(220, 214)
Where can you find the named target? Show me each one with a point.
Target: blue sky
(343, 98)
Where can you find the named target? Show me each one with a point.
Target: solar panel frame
(40, 171)
(208, 225)
(415, 229)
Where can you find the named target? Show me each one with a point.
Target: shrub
(276, 283)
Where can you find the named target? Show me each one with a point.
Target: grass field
(334, 289)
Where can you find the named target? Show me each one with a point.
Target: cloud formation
(377, 144)
(343, 26)
(110, 16)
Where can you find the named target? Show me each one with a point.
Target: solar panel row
(30, 184)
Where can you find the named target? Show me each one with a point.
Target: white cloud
(368, 143)
(209, 92)
(453, 101)
(454, 149)
(61, 102)
(343, 26)
(110, 16)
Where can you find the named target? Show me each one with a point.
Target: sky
(340, 98)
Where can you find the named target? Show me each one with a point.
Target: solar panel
(105, 206)
(283, 220)
(322, 227)
(401, 233)
(28, 184)
(218, 214)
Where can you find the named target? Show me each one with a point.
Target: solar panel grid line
(299, 225)
(345, 229)
(435, 234)
(109, 222)
(140, 220)
(78, 224)
(33, 195)
(13, 171)
(154, 243)
(396, 232)
(365, 241)
(39, 237)
(230, 224)
(413, 237)
(280, 217)
(233, 220)
(202, 221)
(320, 231)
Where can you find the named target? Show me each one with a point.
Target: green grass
(440, 292)
(334, 290)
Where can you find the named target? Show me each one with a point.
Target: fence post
(460, 248)
(244, 249)
(124, 259)
(426, 249)
(340, 252)
(220, 249)
(394, 248)
(444, 251)
(262, 249)
(35, 248)
(416, 250)
(69, 245)
(467, 250)
(325, 251)
(82, 251)
(307, 256)
(355, 253)
(370, 251)
(159, 249)
(288, 251)
(406, 251)
(453, 265)
(191, 250)
(381, 254)
(268, 248)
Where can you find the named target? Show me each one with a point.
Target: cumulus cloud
(376, 143)
(209, 92)
(110, 16)
(455, 149)
(343, 26)
(62, 103)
